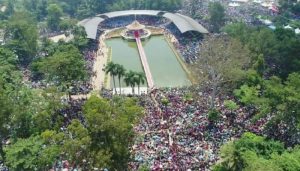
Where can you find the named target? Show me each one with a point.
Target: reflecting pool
(165, 68)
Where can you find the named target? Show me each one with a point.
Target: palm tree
(120, 73)
(140, 79)
(130, 80)
(112, 69)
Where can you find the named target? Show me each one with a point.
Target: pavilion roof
(135, 25)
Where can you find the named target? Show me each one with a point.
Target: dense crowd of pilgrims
(176, 135)
(246, 11)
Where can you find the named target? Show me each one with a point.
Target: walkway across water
(144, 62)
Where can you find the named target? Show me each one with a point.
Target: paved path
(99, 65)
(145, 63)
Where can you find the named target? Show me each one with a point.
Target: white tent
(272, 27)
(267, 22)
(287, 27)
(239, 0)
(234, 4)
(257, 1)
(267, 5)
(297, 31)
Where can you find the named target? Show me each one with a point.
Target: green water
(126, 54)
(166, 70)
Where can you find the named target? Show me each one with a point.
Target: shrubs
(213, 115)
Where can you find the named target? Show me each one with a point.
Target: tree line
(260, 69)
(131, 78)
(85, 8)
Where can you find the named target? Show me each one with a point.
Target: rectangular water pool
(164, 66)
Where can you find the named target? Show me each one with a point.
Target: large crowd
(246, 12)
(188, 44)
(176, 134)
(123, 21)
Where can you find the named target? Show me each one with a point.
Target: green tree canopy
(22, 155)
(222, 60)
(278, 98)
(217, 15)
(64, 67)
(252, 152)
(21, 36)
(269, 48)
(109, 124)
(54, 16)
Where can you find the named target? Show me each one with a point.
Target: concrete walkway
(144, 63)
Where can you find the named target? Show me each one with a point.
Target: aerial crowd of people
(176, 133)
(246, 12)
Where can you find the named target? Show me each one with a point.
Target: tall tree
(10, 9)
(120, 73)
(239, 31)
(287, 57)
(80, 37)
(5, 114)
(130, 80)
(109, 125)
(281, 99)
(221, 61)
(10, 80)
(111, 68)
(72, 6)
(140, 79)
(53, 17)
(77, 142)
(41, 10)
(64, 68)
(217, 15)
(21, 36)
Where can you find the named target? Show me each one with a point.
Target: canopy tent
(272, 27)
(243, 1)
(287, 27)
(257, 1)
(265, 4)
(234, 4)
(267, 22)
(297, 31)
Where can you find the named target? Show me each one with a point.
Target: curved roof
(182, 22)
(185, 23)
(130, 12)
(91, 26)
